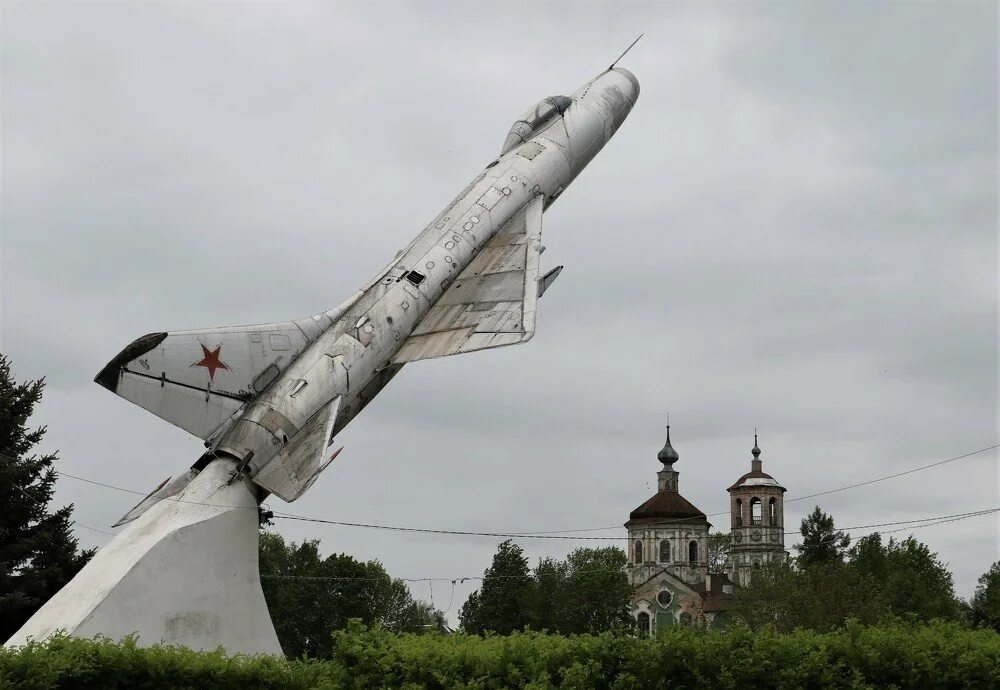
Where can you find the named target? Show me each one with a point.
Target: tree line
(588, 592)
(831, 581)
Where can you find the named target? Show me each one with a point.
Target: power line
(450, 599)
(144, 494)
(549, 534)
(830, 491)
(533, 535)
(454, 532)
(71, 523)
(456, 580)
(946, 518)
(42, 506)
(894, 476)
(459, 580)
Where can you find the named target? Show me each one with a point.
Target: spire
(755, 464)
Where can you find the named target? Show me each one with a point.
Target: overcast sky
(795, 229)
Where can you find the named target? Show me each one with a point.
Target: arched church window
(685, 618)
(642, 624)
(665, 551)
(772, 511)
(638, 551)
(738, 514)
(693, 552)
(755, 511)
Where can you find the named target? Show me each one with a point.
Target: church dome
(756, 479)
(667, 454)
(756, 476)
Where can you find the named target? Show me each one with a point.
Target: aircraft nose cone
(632, 91)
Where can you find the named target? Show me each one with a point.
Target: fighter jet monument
(269, 399)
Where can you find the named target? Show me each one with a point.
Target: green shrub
(936, 655)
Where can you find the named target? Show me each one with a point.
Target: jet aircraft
(273, 396)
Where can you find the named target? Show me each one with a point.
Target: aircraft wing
(492, 302)
(198, 379)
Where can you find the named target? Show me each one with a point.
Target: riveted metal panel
(530, 150)
(490, 198)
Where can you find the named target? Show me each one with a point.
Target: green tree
(596, 592)
(718, 552)
(985, 603)
(38, 552)
(503, 603)
(913, 579)
(821, 543)
(309, 596)
(586, 593)
(820, 597)
(548, 601)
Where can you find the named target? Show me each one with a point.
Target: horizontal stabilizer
(289, 473)
(548, 279)
(198, 379)
(166, 489)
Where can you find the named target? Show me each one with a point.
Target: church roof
(756, 478)
(713, 599)
(665, 504)
(716, 599)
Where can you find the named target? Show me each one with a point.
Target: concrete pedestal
(184, 572)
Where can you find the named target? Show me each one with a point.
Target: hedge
(937, 655)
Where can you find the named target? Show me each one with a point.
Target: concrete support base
(184, 572)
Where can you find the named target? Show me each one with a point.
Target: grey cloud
(795, 230)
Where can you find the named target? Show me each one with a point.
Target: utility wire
(930, 522)
(532, 535)
(894, 476)
(71, 523)
(450, 599)
(42, 506)
(823, 493)
(550, 534)
(12, 460)
(948, 518)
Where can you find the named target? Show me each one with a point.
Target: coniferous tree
(821, 543)
(38, 552)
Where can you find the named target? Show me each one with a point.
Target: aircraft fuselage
(353, 357)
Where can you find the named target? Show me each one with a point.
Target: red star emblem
(211, 361)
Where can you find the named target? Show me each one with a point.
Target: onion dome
(756, 476)
(667, 454)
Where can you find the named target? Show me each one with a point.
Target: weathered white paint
(184, 572)
(470, 280)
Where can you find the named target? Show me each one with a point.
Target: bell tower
(757, 516)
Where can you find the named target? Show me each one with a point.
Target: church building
(668, 541)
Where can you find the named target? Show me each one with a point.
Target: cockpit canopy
(537, 117)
